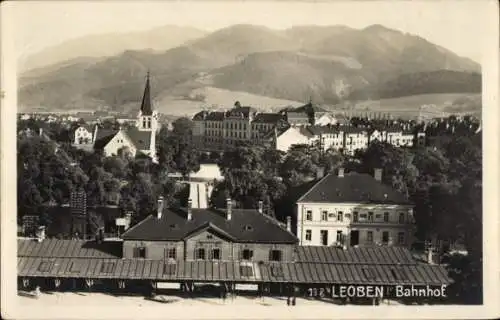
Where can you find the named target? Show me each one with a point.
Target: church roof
(140, 139)
(146, 100)
(103, 137)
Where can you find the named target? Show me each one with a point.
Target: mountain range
(328, 64)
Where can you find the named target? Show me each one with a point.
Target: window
(385, 237)
(107, 267)
(209, 236)
(247, 254)
(170, 269)
(171, 253)
(308, 235)
(339, 236)
(275, 255)
(44, 266)
(355, 216)
(309, 215)
(401, 217)
(386, 216)
(401, 237)
(200, 254)
(340, 216)
(363, 216)
(324, 237)
(216, 254)
(370, 216)
(369, 236)
(246, 271)
(140, 252)
(324, 216)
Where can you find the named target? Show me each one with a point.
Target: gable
(207, 235)
(119, 141)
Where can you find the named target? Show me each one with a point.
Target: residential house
(355, 138)
(284, 139)
(328, 137)
(353, 209)
(210, 234)
(84, 135)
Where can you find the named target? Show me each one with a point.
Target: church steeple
(146, 100)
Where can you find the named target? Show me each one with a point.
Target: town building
(210, 234)
(355, 138)
(354, 209)
(308, 114)
(218, 130)
(138, 139)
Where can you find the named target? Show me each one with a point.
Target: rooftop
(87, 259)
(244, 226)
(352, 188)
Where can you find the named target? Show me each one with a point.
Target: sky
(455, 25)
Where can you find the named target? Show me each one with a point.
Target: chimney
(289, 224)
(378, 174)
(160, 207)
(190, 209)
(229, 208)
(341, 172)
(40, 235)
(261, 206)
(40, 132)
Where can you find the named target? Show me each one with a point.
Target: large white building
(138, 139)
(354, 210)
(217, 130)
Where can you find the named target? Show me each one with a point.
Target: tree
(176, 150)
(299, 166)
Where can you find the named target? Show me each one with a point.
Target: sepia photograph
(246, 159)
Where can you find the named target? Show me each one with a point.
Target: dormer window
(248, 228)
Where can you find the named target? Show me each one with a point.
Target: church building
(140, 139)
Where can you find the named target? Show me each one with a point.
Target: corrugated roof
(352, 188)
(58, 248)
(311, 273)
(355, 255)
(173, 225)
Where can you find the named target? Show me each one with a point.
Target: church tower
(147, 119)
